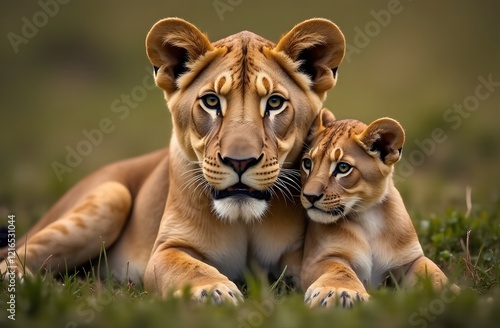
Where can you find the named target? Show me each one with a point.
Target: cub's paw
(217, 293)
(331, 296)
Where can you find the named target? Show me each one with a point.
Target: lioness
(360, 230)
(200, 211)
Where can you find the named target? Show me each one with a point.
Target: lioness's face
(241, 111)
(247, 119)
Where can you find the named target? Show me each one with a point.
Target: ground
(81, 66)
(465, 247)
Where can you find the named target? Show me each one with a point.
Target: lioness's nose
(239, 165)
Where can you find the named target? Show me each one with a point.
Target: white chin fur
(232, 209)
(322, 217)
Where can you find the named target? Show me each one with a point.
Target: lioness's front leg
(172, 268)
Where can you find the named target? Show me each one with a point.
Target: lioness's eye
(273, 103)
(342, 167)
(307, 164)
(211, 101)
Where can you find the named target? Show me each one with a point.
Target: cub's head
(242, 106)
(348, 166)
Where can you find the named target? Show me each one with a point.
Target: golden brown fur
(146, 180)
(200, 211)
(360, 230)
(238, 128)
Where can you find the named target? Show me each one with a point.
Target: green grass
(411, 74)
(471, 259)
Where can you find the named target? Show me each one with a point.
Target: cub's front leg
(423, 268)
(338, 285)
(171, 269)
(327, 271)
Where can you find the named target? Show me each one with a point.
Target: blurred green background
(410, 60)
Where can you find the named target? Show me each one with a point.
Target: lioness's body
(146, 179)
(360, 231)
(199, 212)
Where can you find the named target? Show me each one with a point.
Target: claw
(217, 299)
(359, 297)
(346, 302)
(324, 301)
(203, 295)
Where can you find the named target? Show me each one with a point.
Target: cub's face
(241, 107)
(348, 166)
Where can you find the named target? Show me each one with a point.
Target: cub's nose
(312, 198)
(239, 165)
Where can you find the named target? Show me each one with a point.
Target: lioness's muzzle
(240, 189)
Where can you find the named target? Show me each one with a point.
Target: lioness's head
(242, 106)
(348, 166)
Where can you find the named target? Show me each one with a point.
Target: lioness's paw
(325, 297)
(217, 293)
(15, 270)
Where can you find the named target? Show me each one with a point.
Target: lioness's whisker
(290, 181)
(195, 180)
(281, 186)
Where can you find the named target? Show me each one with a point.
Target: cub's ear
(383, 138)
(318, 46)
(171, 44)
(322, 120)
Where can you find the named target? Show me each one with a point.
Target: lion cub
(360, 231)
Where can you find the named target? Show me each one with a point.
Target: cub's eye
(211, 101)
(274, 102)
(342, 167)
(307, 164)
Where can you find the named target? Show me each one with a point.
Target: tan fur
(174, 225)
(360, 231)
(205, 241)
(146, 180)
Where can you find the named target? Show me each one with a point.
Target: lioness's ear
(319, 45)
(170, 45)
(383, 138)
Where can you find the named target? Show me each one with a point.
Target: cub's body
(360, 232)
